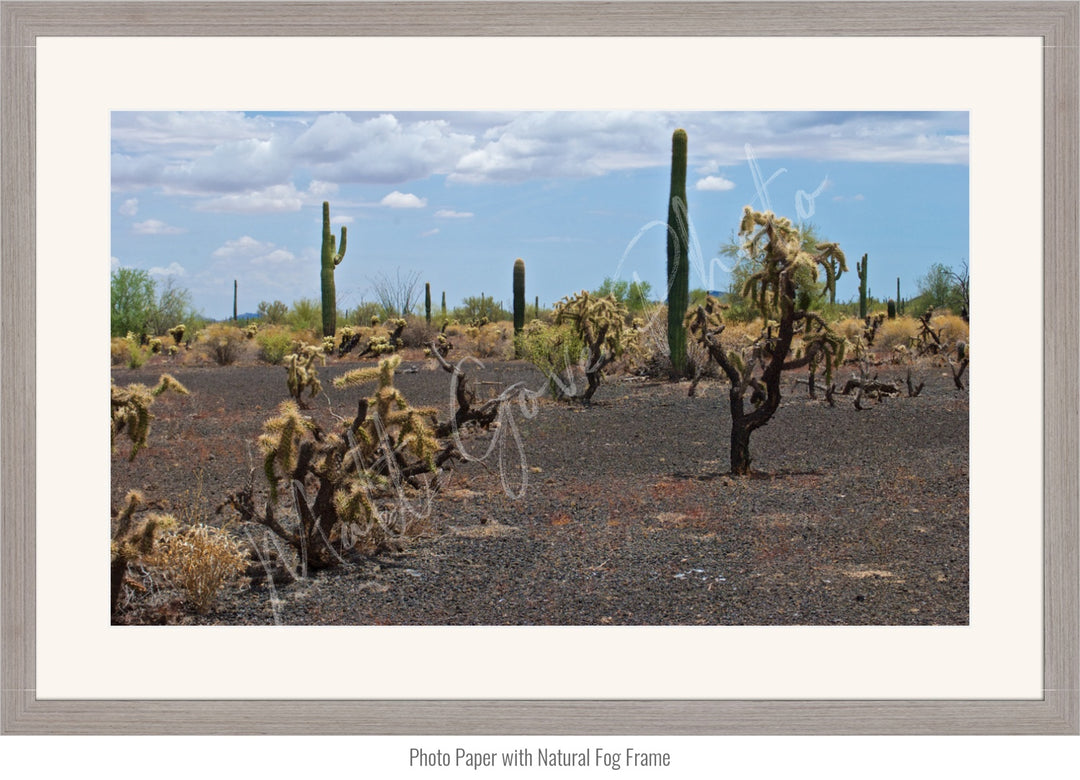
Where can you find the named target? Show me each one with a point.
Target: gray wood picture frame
(1058, 712)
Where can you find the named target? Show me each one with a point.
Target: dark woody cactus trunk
(427, 302)
(234, 316)
(332, 255)
(678, 262)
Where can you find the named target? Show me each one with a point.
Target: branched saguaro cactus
(600, 322)
(678, 256)
(332, 255)
(780, 267)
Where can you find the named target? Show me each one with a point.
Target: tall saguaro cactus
(427, 302)
(678, 260)
(234, 285)
(332, 255)
(519, 295)
(860, 268)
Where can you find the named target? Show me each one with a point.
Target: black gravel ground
(626, 517)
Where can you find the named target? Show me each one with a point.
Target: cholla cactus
(783, 272)
(350, 337)
(929, 339)
(131, 410)
(441, 345)
(178, 333)
(385, 343)
(133, 541)
(354, 472)
(406, 426)
(155, 346)
(303, 374)
(600, 323)
(782, 265)
(251, 330)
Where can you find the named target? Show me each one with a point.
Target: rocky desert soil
(621, 512)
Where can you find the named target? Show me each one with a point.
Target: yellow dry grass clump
(898, 332)
(199, 560)
(850, 328)
(950, 327)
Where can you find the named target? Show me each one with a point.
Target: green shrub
(272, 313)
(552, 349)
(274, 344)
(481, 310)
(306, 314)
(136, 353)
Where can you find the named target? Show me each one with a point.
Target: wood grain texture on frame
(1055, 22)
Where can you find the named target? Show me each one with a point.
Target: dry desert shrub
(224, 343)
(898, 332)
(120, 350)
(653, 344)
(851, 328)
(199, 560)
(491, 340)
(950, 328)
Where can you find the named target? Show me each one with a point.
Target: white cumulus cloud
(403, 200)
(173, 269)
(245, 246)
(714, 184)
(155, 227)
(129, 208)
(269, 200)
(275, 256)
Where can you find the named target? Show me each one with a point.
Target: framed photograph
(870, 200)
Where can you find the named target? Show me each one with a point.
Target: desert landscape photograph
(540, 368)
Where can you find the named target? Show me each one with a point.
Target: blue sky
(456, 197)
